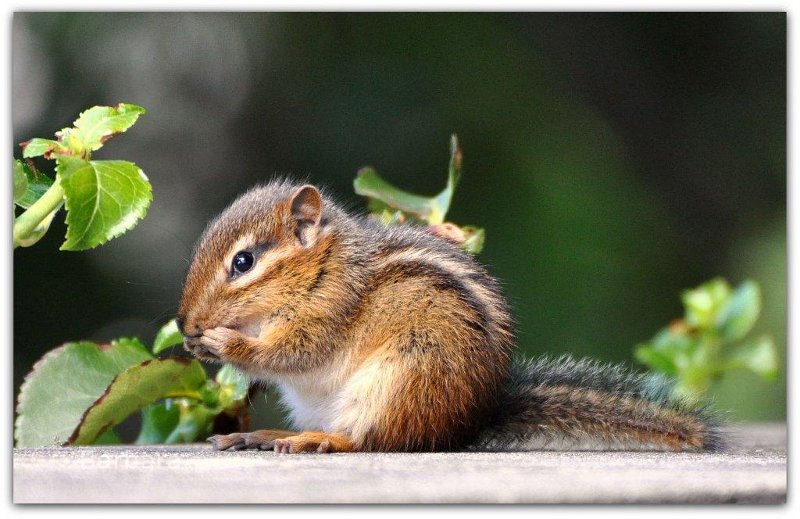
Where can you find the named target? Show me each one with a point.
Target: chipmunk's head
(257, 260)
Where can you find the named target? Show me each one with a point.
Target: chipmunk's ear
(306, 210)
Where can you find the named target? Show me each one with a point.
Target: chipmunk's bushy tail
(568, 404)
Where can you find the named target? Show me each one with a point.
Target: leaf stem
(25, 223)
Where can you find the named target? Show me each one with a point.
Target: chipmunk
(394, 339)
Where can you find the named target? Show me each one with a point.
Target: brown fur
(613, 418)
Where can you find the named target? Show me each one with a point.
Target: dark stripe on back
(441, 280)
(476, 272)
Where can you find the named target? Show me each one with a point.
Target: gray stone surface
(753, 470)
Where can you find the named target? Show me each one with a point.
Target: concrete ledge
(752, 471)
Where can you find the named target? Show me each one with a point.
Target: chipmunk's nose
(188, 329)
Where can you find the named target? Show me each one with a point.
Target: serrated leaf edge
(118, 230)
(23, 389)
(106, 137)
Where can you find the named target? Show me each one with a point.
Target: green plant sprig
(103, 198)
(710, 339)
(390, 204)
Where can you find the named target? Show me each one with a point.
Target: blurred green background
(614, 159)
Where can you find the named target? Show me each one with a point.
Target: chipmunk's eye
(242, 262)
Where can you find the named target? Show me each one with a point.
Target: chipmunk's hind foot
(314, 442)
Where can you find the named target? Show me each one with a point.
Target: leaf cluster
(103, 198)
(711, 339)
(76, 394)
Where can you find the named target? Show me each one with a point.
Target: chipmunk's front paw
(220, 341)
(263, 440)
(195, 346)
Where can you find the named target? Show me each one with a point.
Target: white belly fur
(336, 398)
(309, 408)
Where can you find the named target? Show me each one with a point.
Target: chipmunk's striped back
(448, 338)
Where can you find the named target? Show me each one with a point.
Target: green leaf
(158, 422)
(384, 196)
(443, 200)
(380, 209)
(64, 383)
(36, 184)
(233, 386)
(175, 421)
(673, 338)
(656, 359)
(704, 303)
(670, 351)
(100, 123)
(108, 438)
(741, 312)
(135, 388)
(92, 129)
(195, 423)
(760, 357)
(20, 180)
(43, 147)
(167, 336)
(369, 183)
(103, 199)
